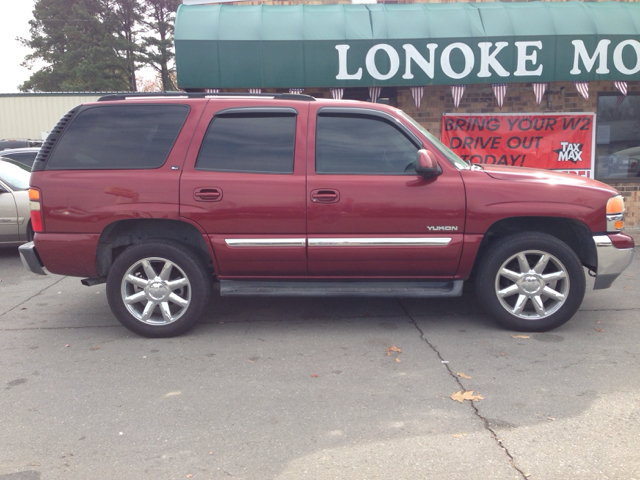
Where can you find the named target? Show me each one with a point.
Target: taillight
(615, 213)
(35, 206)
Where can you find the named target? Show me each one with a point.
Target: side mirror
(427, 165)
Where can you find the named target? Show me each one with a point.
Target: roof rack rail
(282, 96)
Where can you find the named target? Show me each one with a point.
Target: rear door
(244, 184)
(369, 213)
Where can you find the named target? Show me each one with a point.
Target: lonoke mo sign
(486, 62)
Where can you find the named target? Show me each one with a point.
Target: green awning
(268, 46)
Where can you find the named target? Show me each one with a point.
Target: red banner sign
(555, 142)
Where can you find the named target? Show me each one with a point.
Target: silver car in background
(15, 222)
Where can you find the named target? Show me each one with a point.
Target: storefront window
(618, 138)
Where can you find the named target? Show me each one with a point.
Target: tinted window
(27, 158)
(360, 144)
(252, 142)
(119, 137)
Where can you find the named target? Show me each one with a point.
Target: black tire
(540, 299)
(170, 303)
(29, 232)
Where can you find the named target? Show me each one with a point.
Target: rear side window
(119, 137)
(249, 143)
(26, 158)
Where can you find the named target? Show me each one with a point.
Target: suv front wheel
(531, 282)
(158, 289)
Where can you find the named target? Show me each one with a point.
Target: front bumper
(31, 259)
(611, 260)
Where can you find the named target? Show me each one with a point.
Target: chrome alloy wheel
(156, 291)
(532, 285)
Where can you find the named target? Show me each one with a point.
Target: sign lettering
(483, 62)
(555, 142)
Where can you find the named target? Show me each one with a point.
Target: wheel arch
(570, 231)
(117, 236)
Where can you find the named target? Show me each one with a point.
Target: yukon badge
(442, 228)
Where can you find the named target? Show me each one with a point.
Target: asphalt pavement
(334, 388)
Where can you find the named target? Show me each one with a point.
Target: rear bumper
(31, 259)
(612, 260)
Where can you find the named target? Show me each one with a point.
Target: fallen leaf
(599, 330)
(393, 348)
(398, 360)
(67, 345)
(519, 336)
(189, 475)
(466, 395)
(459, 435)
(462, 375)
(598, 321)
(315, 375)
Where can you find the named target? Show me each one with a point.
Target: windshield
(15, 177)
(452, 157)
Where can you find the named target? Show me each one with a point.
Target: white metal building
(32, 115)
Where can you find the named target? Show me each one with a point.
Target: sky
(15, 23)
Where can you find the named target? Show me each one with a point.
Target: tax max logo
(569, 152)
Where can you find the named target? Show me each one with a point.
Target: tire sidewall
(517, 243)
(180, 255)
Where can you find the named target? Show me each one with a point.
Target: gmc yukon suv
(160, 196)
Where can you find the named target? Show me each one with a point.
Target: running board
(271, 288)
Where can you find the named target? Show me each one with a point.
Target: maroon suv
(160, 196)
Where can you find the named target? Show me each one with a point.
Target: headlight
(615, 214)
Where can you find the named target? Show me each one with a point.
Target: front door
(369, 213)
(245, 186)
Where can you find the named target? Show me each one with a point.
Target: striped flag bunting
(622, 86)
(499, 90)
(539, 89)
(337, 93)
(583, 88)
(417, 93)
(457, 91)
(211, 90)
(297, 91)
(255, 90)
(374, 93)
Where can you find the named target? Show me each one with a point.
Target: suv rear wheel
(158, 289)
(531, 282)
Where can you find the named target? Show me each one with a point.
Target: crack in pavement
(457, 380)
(32, 296)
